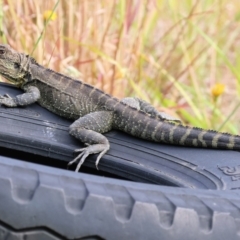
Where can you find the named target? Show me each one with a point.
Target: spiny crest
(32, 60)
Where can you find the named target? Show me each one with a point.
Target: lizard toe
(85, 152)
(79, 149)
(75, 159)
(99, 157)
(82, 157)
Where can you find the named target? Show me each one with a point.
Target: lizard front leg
(31, 95)
(88, 129)
(148, 108)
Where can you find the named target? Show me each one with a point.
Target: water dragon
(95, 112)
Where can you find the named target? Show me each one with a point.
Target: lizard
(95, 112)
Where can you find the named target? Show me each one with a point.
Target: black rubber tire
(40, 202)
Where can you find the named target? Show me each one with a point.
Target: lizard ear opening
(16, 65)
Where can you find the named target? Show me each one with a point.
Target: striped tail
(195, 137)
(139, 124)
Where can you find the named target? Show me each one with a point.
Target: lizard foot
(85, 152)
(7, 100)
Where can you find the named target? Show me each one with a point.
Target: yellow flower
(217, 90)
(49, 15)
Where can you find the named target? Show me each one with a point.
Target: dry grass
(170, 53)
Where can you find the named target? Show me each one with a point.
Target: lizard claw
(85, 152)
(5, 96)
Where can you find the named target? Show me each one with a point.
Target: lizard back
(64, 95)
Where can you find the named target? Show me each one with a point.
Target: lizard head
(13, 65)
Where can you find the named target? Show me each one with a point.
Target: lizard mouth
(9, 78)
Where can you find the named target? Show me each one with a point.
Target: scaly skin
(96, 112)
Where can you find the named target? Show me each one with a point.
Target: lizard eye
(2, 51)
(16, 65)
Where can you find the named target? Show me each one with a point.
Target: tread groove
(123, 201)
(24, 184)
